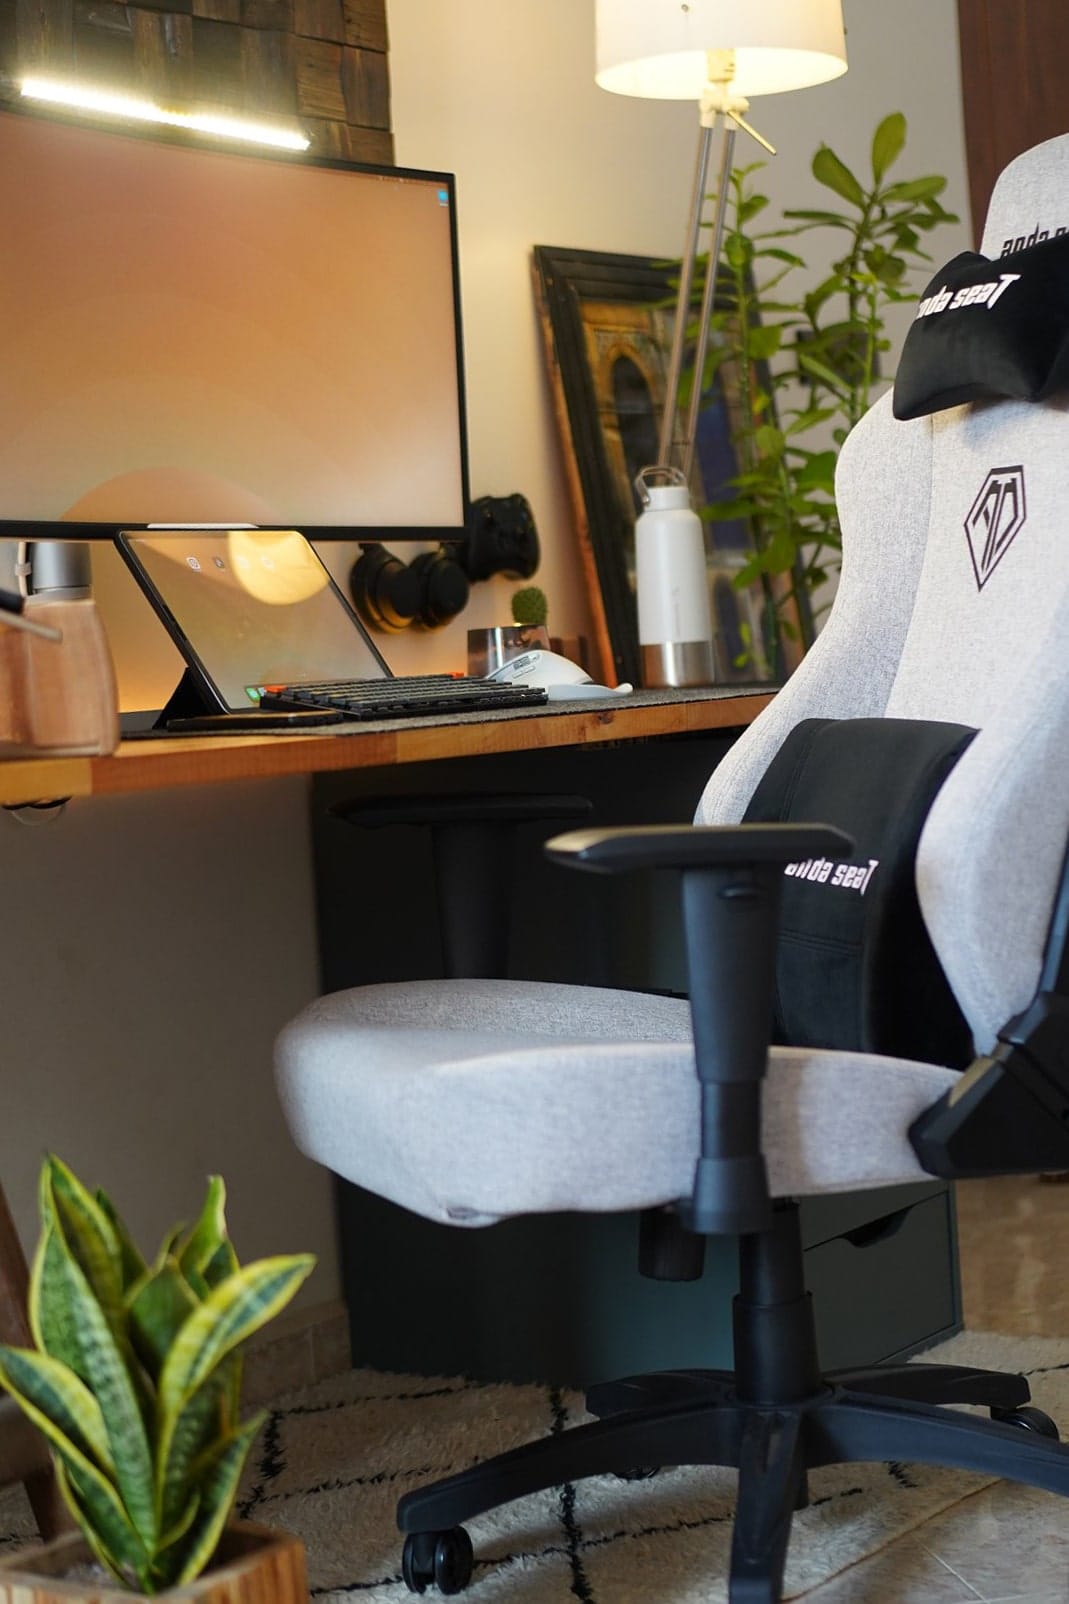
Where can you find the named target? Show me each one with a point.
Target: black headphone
(389, 594)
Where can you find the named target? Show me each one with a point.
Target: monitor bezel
(211, 145)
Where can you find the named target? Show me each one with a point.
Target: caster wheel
(444, 1558)
(1028, 1419)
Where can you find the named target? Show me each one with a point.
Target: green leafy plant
(529, 606)
(806, 369)
(135, 1376)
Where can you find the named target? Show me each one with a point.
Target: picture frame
(607, 324)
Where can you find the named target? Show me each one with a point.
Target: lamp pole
(718, 102)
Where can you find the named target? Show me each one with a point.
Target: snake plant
(135, 1375)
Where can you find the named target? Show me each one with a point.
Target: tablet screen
(249, 608)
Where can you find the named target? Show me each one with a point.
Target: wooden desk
(152, 765)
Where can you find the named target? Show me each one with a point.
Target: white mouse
(559, 677)
(540, 668)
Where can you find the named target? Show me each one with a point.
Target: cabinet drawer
(887, 1288)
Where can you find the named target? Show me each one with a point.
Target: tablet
(248, 608)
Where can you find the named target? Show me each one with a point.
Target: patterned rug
(334, 1458)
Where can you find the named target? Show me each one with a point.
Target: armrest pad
(697, 846)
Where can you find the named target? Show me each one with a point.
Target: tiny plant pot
(252, 1563)
(489, 648)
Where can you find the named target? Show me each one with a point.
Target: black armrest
(731, 899)
(1009, 1112)
(694, 846)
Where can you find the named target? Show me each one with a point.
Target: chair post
(731, 918)
(776, 1359)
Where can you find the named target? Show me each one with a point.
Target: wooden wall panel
(1014, 68)
(163, 55)
(323, 63)
(218, 10)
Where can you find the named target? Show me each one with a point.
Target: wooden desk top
(152, 765)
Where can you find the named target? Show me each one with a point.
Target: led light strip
(115, 105)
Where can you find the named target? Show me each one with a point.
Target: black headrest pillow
(986, 329)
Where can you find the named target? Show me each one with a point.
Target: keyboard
(407, 696)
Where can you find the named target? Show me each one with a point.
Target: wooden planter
(253, 1565)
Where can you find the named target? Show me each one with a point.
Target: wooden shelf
(147, 765)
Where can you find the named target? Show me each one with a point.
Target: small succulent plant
(529, 605)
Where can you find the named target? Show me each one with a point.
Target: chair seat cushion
(469, 1101)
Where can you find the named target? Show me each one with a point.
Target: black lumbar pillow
(986, 329)
(855, 966)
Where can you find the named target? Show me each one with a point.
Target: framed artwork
(607, 324)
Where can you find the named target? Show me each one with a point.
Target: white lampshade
(661, 48)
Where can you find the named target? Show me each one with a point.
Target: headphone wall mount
(392, 595)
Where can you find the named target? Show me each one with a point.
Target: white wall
(150, 947)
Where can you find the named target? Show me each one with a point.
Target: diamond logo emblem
(995, 519)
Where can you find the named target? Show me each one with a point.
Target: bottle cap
(674, 492)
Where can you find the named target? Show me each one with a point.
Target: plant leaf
(782, 255)
(88, 1234)
(178, 1530)
(181, 1444)
(88, 1530)
(156, 1307)
(243, 1303)
(887, 143)
(818, 470)
(915, 189)
(834, 174)
(763, 341)
(236, 1308)
(223, 1262)
(102, 1510)
(769, 440)
(57, 1402)
(813, 218)
(750, 207)
(99, 1511)
(819, 371)
(133, 1265)
(73, 1329)
(208, 1232)
(219, 1484)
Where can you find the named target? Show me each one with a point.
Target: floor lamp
(716, 53)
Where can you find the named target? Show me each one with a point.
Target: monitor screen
(195, 334)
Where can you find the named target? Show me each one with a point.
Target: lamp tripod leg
(686, 281)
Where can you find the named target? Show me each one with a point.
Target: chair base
(772, 1420)
(772, 1447)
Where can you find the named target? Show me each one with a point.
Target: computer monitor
(200, 334)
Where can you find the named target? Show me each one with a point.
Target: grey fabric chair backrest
(953, 604)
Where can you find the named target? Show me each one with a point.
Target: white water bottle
(675, 631)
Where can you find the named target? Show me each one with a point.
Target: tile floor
(1006, 1543)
